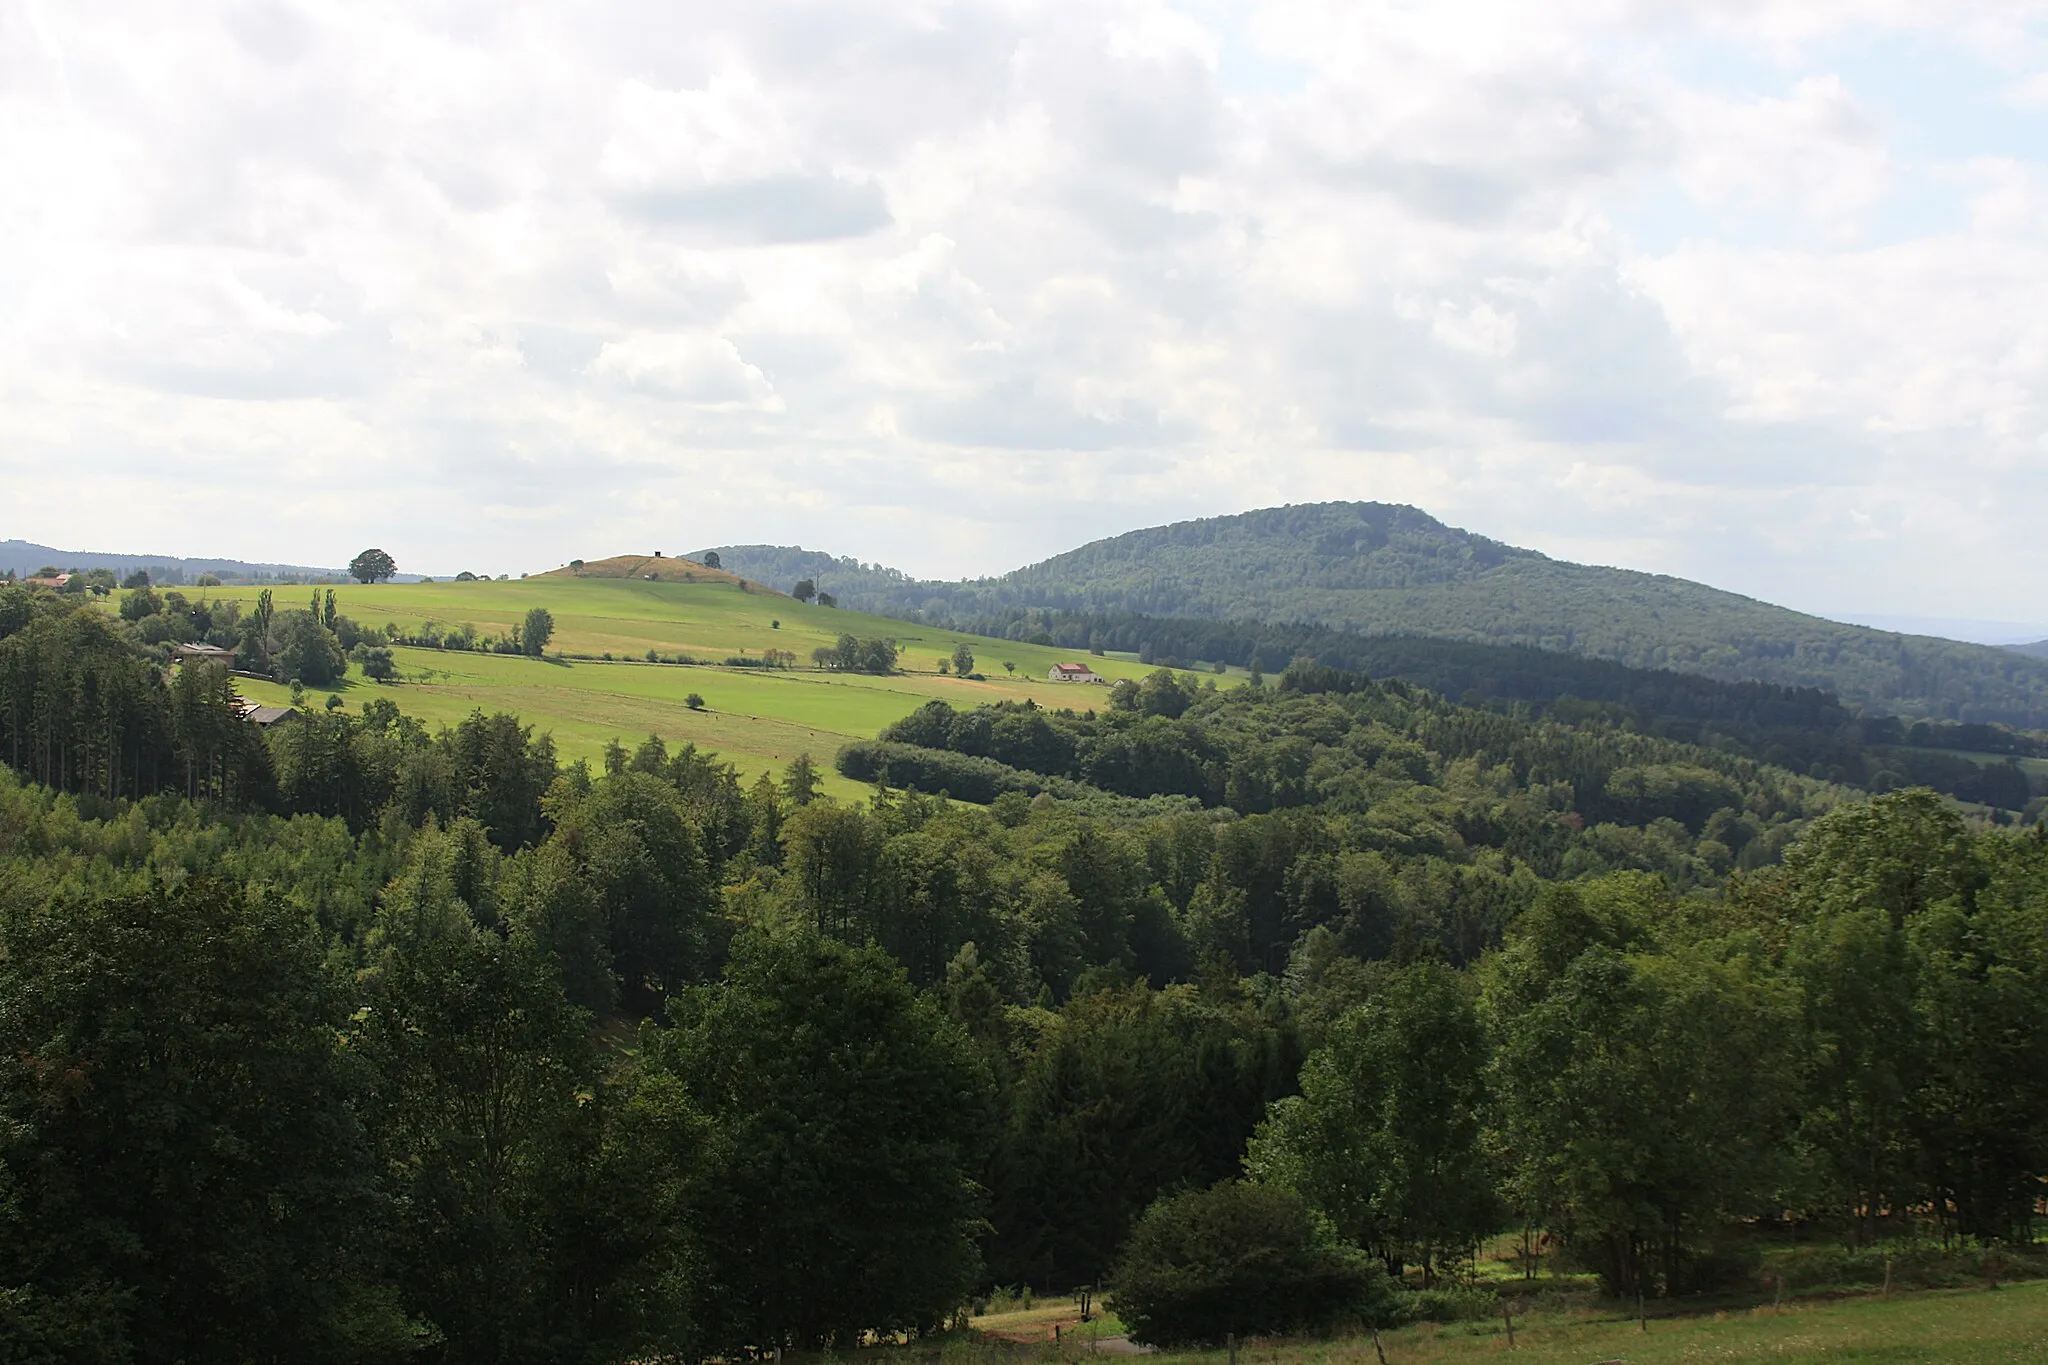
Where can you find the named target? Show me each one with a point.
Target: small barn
(208, 654)
(264, 717)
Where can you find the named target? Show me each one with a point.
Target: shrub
(1238, 1258)
(1441, 1305)
(694, 701)
(376, 662)
(1915, 1265)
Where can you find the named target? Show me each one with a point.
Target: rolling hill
(613, 671)
(1379, 569)
(651, 569)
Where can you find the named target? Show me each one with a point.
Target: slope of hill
(25, 557)
(649, 568)
(620, 672)
(1375, 569)
(2037, 650)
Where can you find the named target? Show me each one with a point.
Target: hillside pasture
(626, 617)
(757, 718)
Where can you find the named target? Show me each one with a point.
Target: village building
(263, 717)
(212, 654)
(1073, 673)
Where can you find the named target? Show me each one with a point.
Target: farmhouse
(51, 581)
(263, 717)
(1074, 673)
(210, 654)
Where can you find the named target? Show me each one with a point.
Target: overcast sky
(1760, 299)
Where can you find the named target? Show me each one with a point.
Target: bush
(1915, 1265)
(376, 662)
(695, 701)
(1441, 1305)
(1238, 1258)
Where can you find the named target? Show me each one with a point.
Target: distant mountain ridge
(25, 557)
(1385, 569)
(2038, 649)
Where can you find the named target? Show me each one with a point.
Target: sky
(1750, 293)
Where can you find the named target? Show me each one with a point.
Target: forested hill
(22, 558)
(2038, 649)
(1375, 569)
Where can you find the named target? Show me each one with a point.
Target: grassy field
(2032, 767)
(758, 719)
(1956, 1327)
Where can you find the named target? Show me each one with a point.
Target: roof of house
(268, 715)
(1073, 668)
(201, 652)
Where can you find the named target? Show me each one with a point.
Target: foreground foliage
(425, 1045)
(1238, 1260)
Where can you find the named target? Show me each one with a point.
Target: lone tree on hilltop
(372, 566)
(536, 631)
(710, 560)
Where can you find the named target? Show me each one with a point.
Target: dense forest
(353, 1041)
(1376, 569)
(1800, 728)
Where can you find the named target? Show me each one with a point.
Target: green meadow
(1960, 1326)
(758, 719)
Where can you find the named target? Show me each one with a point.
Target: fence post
(1887, 1274)
(1230, 1340)
(1642, 1313)
(1507, 1315)
(1378, 1349)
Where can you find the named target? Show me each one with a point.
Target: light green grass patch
(756, 719)
(628, 617)
(1966, 1327)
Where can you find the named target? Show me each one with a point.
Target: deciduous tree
(1385, 1137)
(372, 566)
(536, 630)
(835, 1195)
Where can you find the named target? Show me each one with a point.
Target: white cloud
(956, 285)
(692, 369)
